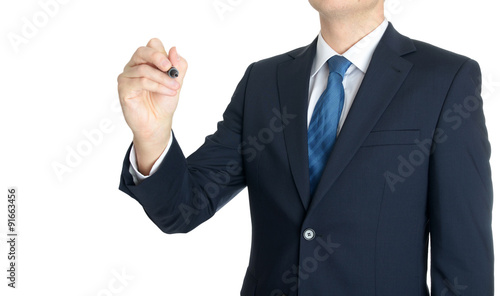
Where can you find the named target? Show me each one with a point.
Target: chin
(343, 7)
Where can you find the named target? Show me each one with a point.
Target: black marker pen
(173, 72)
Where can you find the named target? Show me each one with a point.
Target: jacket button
(309, 234)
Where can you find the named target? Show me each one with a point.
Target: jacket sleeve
(460, 192)
(183, 193)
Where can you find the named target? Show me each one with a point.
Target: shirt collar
(360, 54)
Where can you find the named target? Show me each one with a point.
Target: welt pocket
(391, 137)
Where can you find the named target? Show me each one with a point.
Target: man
(355, 149)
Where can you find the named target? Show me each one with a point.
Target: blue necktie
(322, 131)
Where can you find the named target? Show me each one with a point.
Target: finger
(132, 85)
(174, 57)
(156, 43)
(151, 73)
(148, 55)
(177, 61)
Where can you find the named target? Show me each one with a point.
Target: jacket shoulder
(436, 57)
(273, 61)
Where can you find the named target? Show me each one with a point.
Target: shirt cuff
(137, 177)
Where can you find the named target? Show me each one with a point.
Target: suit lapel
(384, 77)
(293, 86)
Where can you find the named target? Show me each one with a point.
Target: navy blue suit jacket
(410, 166)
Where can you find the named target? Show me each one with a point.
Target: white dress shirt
(360, 55)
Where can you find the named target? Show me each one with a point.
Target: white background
(77, 231)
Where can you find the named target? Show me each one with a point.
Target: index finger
(150, 56)
(156, 43)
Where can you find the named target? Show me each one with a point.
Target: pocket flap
(392, 137)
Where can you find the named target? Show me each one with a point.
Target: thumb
(177, 61)
(174, 56)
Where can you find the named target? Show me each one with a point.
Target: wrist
(148, 150)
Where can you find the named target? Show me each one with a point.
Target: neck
(342, 32)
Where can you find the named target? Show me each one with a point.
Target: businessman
(361, 152)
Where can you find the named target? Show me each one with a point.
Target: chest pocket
(391, 137)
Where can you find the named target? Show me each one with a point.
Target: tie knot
(338, 64)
